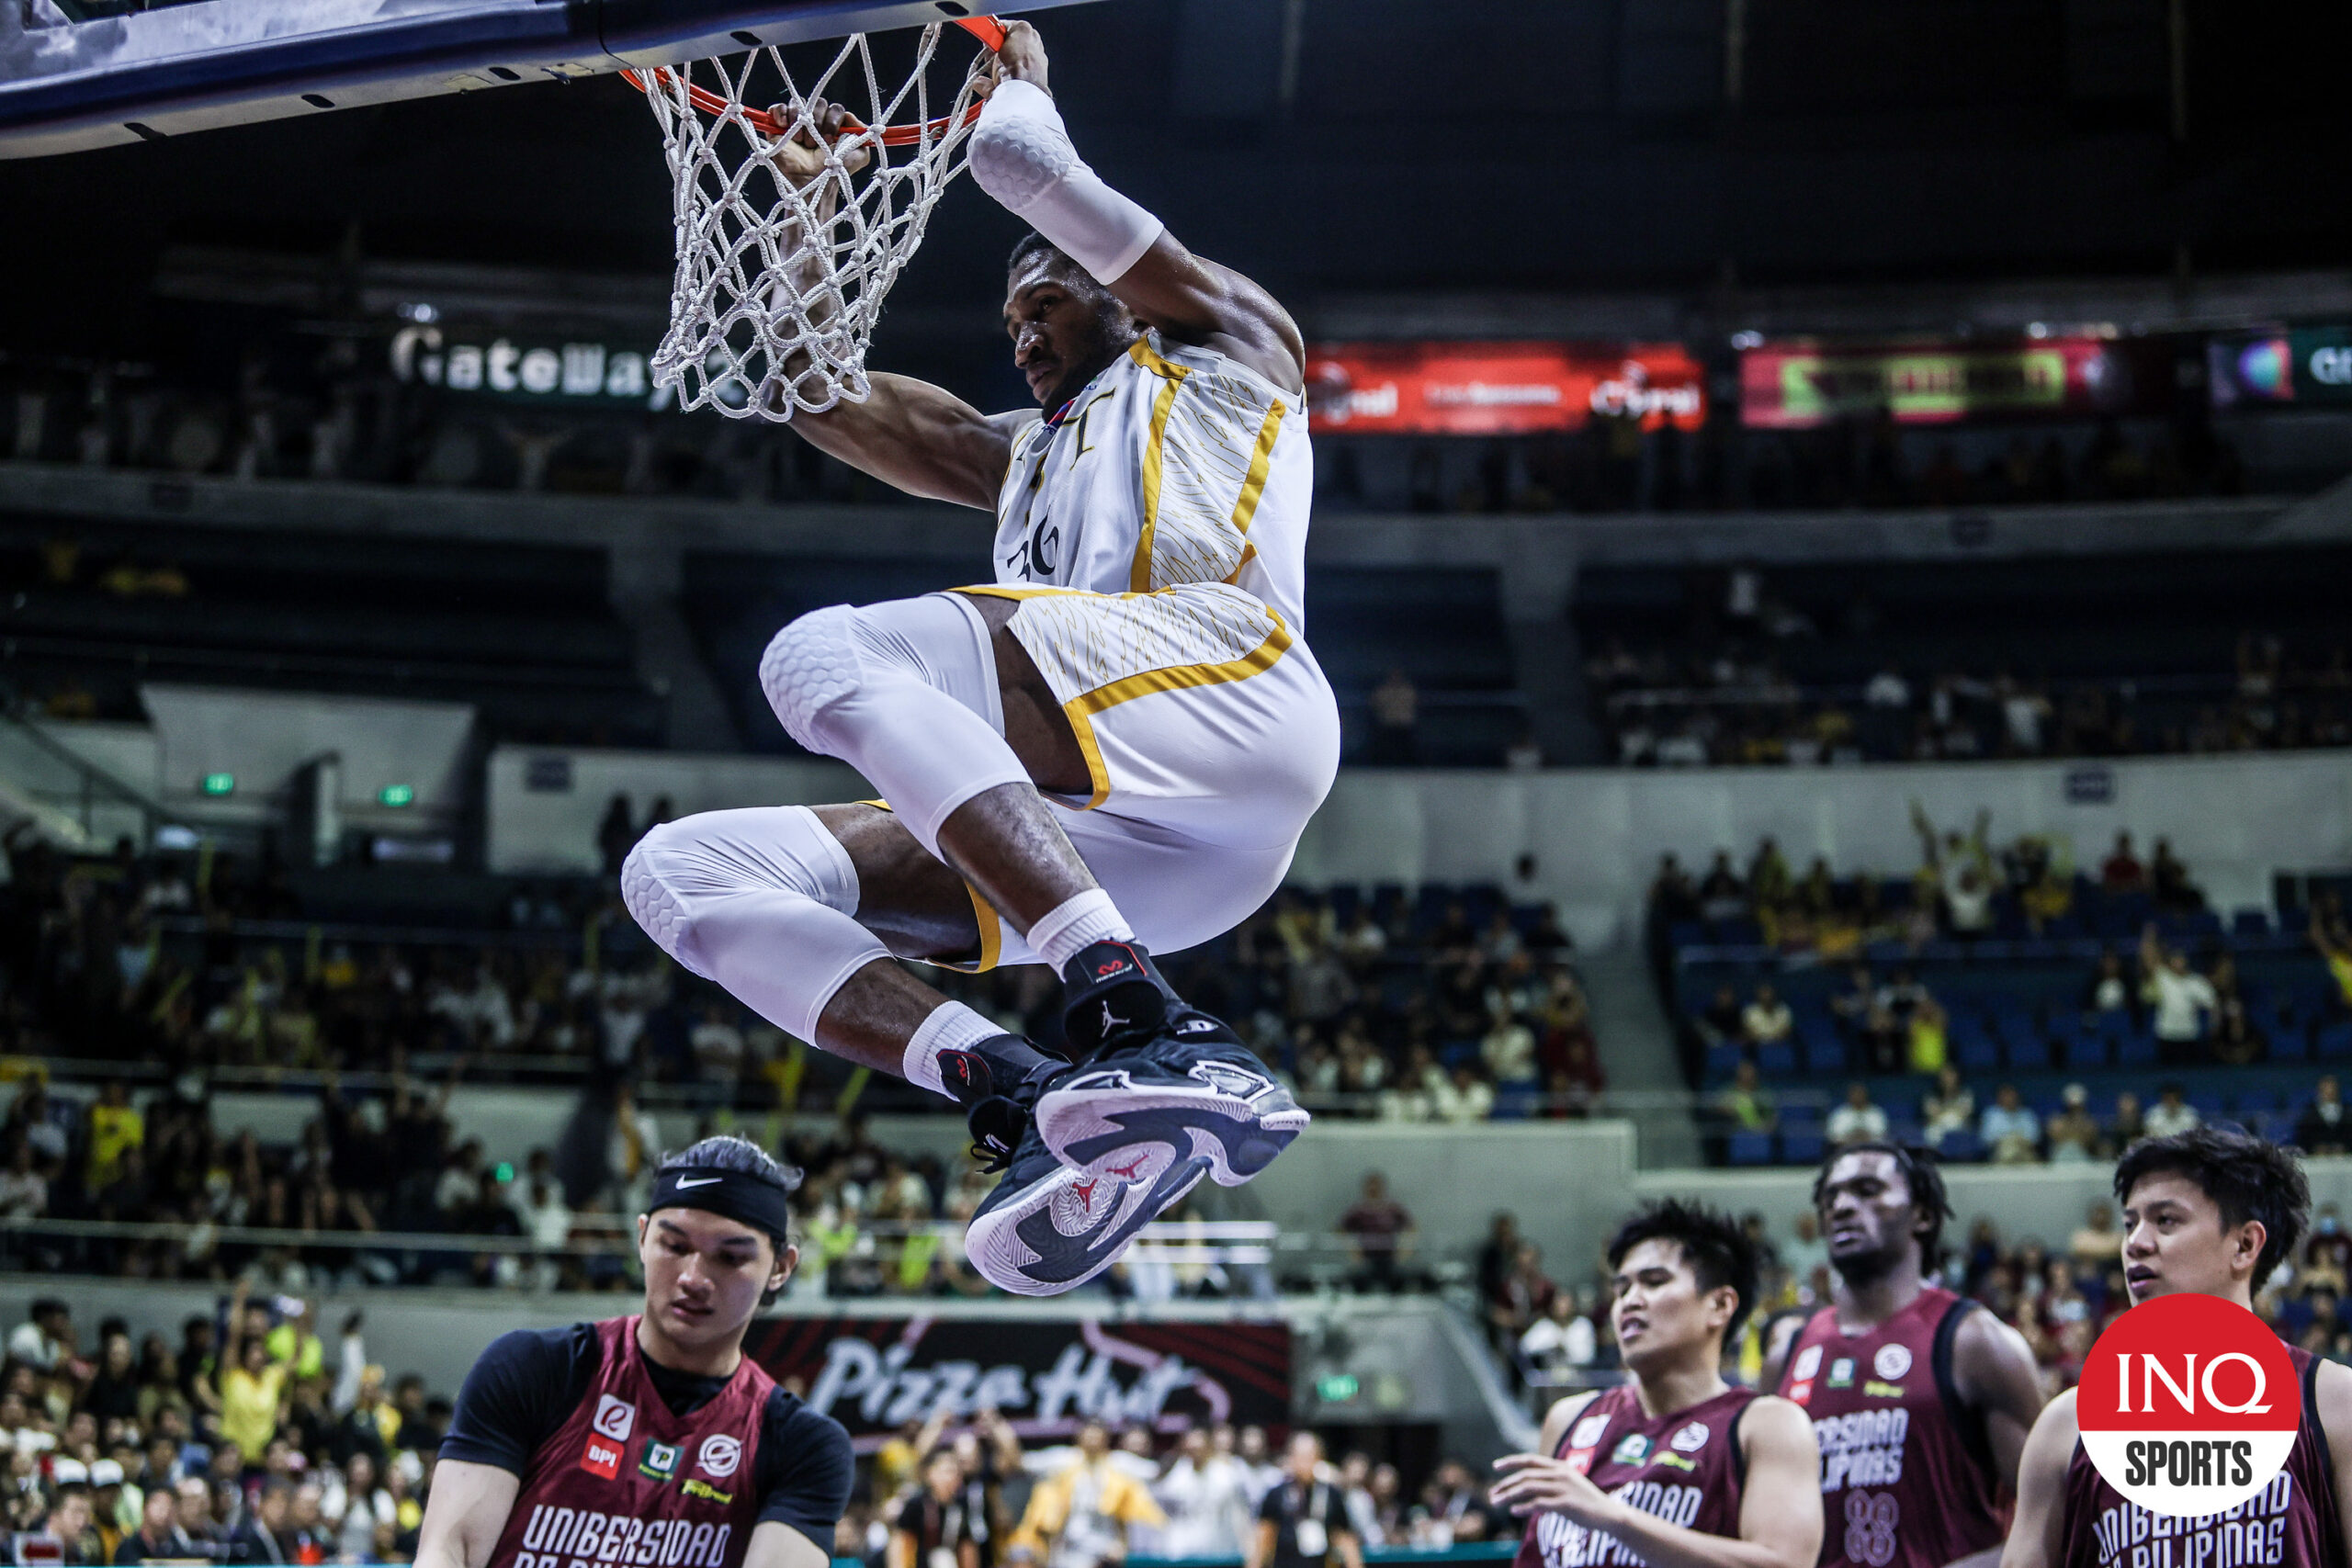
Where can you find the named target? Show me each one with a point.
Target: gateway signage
(874, 1375)
(1492, 389)
(502, 367)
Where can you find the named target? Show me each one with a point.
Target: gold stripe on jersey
(1107, 649)
(1211, 437)
(1139, 572)
(1253, 486)
(1081, 710)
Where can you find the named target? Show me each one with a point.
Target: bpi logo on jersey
(1801, 1376)
(2189, 1405)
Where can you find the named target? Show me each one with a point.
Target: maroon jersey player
(1921, 1399)
(650, 1440)
(1676, 1469)
(2211, 1211)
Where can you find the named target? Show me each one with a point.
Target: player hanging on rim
(1921, 1400)
(652, 1438)
(1112, 750)
(1676, 1469)
(2214, 1211)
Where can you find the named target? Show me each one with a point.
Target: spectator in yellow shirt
(252, 1387)
(115, 1128)
(1077, 1518)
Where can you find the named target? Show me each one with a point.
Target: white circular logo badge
(719, 1456)
(1691, 1439)
(2189, 1405)
(1891, 1362)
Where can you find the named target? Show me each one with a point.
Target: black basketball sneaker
(1047, 1228)
(1167, 1086)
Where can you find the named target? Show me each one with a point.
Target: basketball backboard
(83, 74)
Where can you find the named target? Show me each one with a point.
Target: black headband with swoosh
(731, 1194)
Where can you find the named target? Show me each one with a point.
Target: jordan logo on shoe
(1127, 1172)
(1084, 1192)
(1111, 1020)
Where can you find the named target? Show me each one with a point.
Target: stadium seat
(2136, 1049)
(2291, 1045)
(1777, 1060)
(1960, 1146)
(2334, 1040)
(2250, 923)
(1751, 1148)
(1800, 1148)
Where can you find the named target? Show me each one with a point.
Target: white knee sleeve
(905, 693)
(758, 901)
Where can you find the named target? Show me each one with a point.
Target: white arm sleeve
(1023, 156)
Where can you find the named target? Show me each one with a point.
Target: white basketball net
(778, 285)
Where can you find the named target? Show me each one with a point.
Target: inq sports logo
(2189, 1405)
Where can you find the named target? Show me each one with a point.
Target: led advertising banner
(1794, 386)
(1498, 388)
(873, 1374)
(2309, 365)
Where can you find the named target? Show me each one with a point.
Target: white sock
(952, 1026)
(1077, 924)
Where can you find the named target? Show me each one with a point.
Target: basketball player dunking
(2211, 1211)
(1111, 749)
(651, 1438)
(1921, 1399)
(1676, 1469)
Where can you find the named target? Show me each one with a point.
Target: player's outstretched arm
(1021, 155)
(918, 438)
(908, 434)
(1780, 1509)
(2037, 1536)
(465, 1513)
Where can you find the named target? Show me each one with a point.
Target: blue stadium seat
(1961, 1144)
(1777, 1060)
(2208, 1105)
(2294, 921)
(1825, 1053)
(2334, 1039)
(1751, 1148)
(2291, 1045)
(2250, 923)
(2136, 1049)
(2029, 1052)
(1800, 1148)
(1723, 1058)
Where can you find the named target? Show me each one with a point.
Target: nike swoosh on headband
(685, 1181)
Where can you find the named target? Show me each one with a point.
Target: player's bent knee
(652, 901)
(810, 666)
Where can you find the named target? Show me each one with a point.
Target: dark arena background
(1833, 545)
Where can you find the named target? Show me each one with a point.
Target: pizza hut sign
(875, 1375)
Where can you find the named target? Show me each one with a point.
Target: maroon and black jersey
(2293, 1522)
(1906, 1474)
(1684, 1468)
(623, 1481)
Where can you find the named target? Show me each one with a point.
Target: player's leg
(796, 911)
(873, 687)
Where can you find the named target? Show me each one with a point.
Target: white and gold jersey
(1174, 465)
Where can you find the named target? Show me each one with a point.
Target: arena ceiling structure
(1338, 147)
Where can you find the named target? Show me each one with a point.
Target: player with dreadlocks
(1921, 1400)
